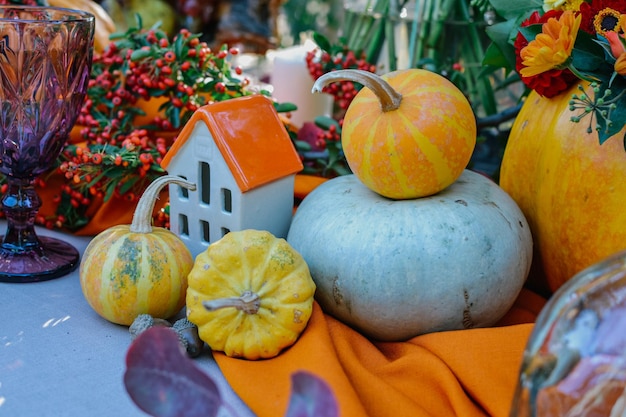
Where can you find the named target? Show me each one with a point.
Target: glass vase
(574, 364)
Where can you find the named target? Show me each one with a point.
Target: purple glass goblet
(45, 63)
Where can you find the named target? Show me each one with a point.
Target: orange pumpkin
(408, 133)
(571, 189)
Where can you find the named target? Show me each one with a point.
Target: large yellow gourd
(571, 188)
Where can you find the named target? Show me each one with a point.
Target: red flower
(589, 10)
(548, 83)
(551, 83)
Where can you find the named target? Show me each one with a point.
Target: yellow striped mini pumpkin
(408, 133)
(128, 270)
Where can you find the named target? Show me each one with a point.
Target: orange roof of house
(250, 136)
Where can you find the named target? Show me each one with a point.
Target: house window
(184, 192)
(204, 225)
(225, 230)
(183, 226)
(205, 183)
(227, 200)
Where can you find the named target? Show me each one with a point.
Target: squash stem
(389, 98)
(142, 217)
(249, 302)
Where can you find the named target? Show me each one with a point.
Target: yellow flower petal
(562, 5)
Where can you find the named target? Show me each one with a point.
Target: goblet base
(53, 258)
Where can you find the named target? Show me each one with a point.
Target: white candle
(292, 83)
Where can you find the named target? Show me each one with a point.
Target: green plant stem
(390, 35)
(363, 22)
(473, 55)
(425, 16)
(442, 13)
(381, 14)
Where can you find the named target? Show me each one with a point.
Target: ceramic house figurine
(240, 156)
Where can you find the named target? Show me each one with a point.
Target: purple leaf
(162, 380)
(311, 397)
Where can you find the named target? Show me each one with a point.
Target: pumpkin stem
(389, 98)
(249, 303)
(142, 218)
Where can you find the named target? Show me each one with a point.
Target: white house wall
(268, 207)
(198, 214)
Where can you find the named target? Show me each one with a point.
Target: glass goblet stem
(24, 256)
(20, 205)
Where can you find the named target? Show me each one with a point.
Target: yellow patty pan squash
(250, 294)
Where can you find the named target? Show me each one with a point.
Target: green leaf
(510, 9)
(531, 31)
(110, 189)
(302, 146)
(322, 42)
(140, 54)
(95, 180)
(285, 107)
(173, 113)
(342, 170)
(178, 46)
(128, 184)
(618, 121)
(494, 57)
(502, 35)
(588, 55)
(139, 22)
(325, 122)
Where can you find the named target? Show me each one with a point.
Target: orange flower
(616, 42)
(553, 47)
(620, 64)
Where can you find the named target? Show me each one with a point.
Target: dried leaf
(164, 382)
(311, 397)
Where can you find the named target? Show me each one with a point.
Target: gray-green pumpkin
(395, 269)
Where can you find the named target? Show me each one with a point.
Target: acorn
(188, 336)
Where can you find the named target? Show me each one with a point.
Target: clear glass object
(574, 364)
(45, 64)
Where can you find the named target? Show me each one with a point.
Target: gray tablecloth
(59, 358)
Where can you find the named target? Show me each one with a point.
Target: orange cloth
(462, 373)
(102, 215)
(304, 184)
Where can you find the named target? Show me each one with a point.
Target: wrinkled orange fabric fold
(463, 373)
